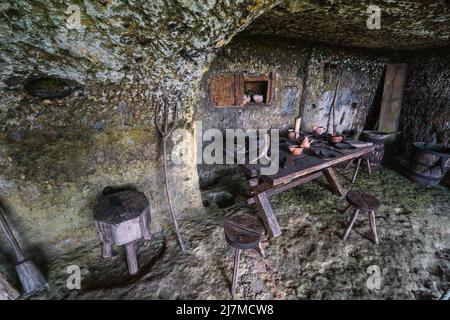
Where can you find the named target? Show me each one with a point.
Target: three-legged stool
(362, 201)
(243, 232)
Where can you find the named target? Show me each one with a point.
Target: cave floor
(308, 260)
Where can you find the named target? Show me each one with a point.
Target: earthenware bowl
(335, 138)
(296, 150)
(258, 98)
(318, 130)
(306, 142)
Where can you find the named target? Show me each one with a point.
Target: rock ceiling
(405, 24)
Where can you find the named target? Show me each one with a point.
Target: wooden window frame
(227, 90)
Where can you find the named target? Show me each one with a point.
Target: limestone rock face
(404, 24)
(57, 155)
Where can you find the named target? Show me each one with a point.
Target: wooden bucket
(377, 138)
(429, 163)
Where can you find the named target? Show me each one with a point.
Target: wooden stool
(362, 201)
(243, 232)
(121, 218)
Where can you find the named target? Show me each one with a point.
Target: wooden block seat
(243, 232)
(362, 202)
(120, 219)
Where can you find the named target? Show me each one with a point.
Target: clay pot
(246, 98)
(258, 98)
(296, 150)
(318, 130)
(335, 138)
(306, 142)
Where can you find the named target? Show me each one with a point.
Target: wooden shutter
(222, 90)
(239, 89)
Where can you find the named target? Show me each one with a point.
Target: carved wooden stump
(120, 219)
(362, 201)
(243, 232)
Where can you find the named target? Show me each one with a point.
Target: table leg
(356, 170)
(267, 215)
(333, 181)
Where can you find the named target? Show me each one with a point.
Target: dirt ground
(308, 260)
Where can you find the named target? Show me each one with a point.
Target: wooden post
(333, 181)
(237, 257)
(131, 259)
(373, 226)
(106, 250)
(267, 215)
(355, 215)
(356, 170)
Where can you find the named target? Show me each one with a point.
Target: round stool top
(120, 206)
(243, 231)
(362, 200)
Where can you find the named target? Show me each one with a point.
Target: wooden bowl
(296, 150)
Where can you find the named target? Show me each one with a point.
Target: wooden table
(306, 167)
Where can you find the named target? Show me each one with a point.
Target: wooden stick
(373, 226)
(356, 170)
(165, 134)
(237, 257)
(20, 257)
(352, 222)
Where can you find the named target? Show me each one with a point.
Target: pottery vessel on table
(306, 142)
(318, 130)
(335, 138)
(258, 98)
(296, 150)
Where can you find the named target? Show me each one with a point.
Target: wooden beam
(267, 215)
(332, 179)
(271, 190)
(391, 104)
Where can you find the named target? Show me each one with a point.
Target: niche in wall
(228, 90)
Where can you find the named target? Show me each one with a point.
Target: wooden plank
(239, 89)
(333, 181)
(222, 90)
(271, 190)
(391, 104)
(267, 215)
(305, 165)
(317, 164)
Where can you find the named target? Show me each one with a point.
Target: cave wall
(56, 156)
(303, 85)
(425, 113)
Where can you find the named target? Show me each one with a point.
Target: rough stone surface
(56, 156)
(425, 115)
(308, 261)
(405, 24)
(304, 85)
